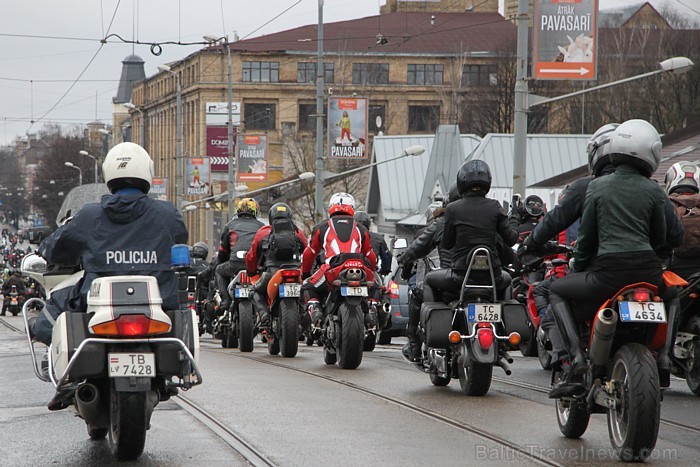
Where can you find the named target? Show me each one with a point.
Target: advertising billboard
(252, 158)
(217, 147)
(217, 113)
(566, 39)
(159, 189)
(197, 176)
(347, 127)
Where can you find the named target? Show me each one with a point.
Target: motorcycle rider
(237, 236)
(531, 212)
(470, 221)
(199, 252)
(16, 280)
(334, 238)
(621, 228)
(683, 186)
(126, 233)
(281, 242)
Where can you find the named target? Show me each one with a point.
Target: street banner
(566, 39)
(217, 147)
(347, 127)
(217, 113)
(158, 189)
(252, 158)
(197, 176)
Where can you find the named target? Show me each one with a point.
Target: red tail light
(131, 326)
(244, 278)
(393, 290)
(641, 295)
(485, 337)
(290, 275)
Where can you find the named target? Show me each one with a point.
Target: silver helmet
(598, 148)
(638, 143)
(682, 175)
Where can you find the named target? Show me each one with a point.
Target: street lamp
(178, 103)
(232, 164)
(85, 153)
(409, 151)
(131, 106)
(80, 172)
(525, 101)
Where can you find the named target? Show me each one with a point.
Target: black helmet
(474, 174)
(452, 195)
(200, 250)
(534, 206)
(363, 218)
(279, 211)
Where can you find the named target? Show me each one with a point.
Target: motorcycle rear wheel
(328, 357)
(370, 342)
(352, 336)
(572, 417)
(439, 380)
(246, 326)
(229, 341)
(474, 378)
(543, 355)
(273, 344)
(128, 424)
(692, 377)
(633, 424)
(289, 327)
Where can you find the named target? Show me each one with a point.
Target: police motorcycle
(236, 326)
(468, 336)
(622, 379)
(114, 363)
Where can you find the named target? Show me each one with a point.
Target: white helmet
(128, 165)
(598, 148)
(341, 203)
(636, 142)
(682, 174)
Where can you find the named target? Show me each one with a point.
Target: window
(375, 111)
(306, 121)
(479, 75)
(370, 73)
(261, 72)
(306, 72)
(424, 74)
(423, 118)
(259, 116)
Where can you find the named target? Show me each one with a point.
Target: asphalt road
(302, 412)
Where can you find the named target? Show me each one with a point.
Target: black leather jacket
(381, 251)
(238, 235)
(429, 239)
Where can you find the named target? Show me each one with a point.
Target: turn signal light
(455, 337)
(514, 338)
(131, 326)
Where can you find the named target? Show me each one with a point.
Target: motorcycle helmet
(682, 177)
(128, 165)
(279, 211)
(363, 218)
(247, 206)
(598, 149)
(200, 250)
(474, 175)
(636, 143)
(341, 203)
(452, 195)
(534, 206)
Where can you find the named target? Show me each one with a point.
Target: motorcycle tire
(439, 380)
(370, 342)
(328, 357)
(309, 341)
(246, 326)
(383, 338)
(97, 433)
(633, 424)
(352, 336)
(289, 327)
(128, 424)
(572, 417)
(692, 377)
(543, 355)
(474, 378)
(273, 345)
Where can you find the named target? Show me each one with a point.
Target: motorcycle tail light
(131, 326)
(393, 290)
(290, 275)
(641, 295)
(354, 283)
(455, 337)
(485, 338)
(244, 277)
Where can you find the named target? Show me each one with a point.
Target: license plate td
(353, 291)
(484, 312)
(290, 290)
(132, 364)
(652, 312)
(242, 292)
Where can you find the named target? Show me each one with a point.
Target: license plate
(242, 292)
(651, 312)
(484, 312)
(132, 364)
(353, 291)
(290, 290)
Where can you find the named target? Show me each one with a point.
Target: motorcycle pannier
(515, 318)
(436, 319)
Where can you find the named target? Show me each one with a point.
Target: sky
(54, 69)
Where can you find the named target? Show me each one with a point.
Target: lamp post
(232, 163)
(319, 116)
(409, 151)
(525, 101)
(85, 153)
(178, 157)
(142, 138)
(80, 172)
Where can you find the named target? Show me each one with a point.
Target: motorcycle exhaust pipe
(87, 401)
(603, 333)
(502, 363)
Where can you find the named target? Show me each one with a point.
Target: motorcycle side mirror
(400, 243)
(33, 264)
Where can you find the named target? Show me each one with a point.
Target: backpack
(283, 243)
(690, 219)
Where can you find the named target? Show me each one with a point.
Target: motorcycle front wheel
(127, 424)
(692, 375)
(633, 423)
(352, 336)
(246, 326)
(572, 417)
(289, 327)
(543, 354)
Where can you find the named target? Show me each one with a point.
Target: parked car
(398, 289)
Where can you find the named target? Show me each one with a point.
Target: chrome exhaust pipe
(603, 334)
(87, 401)
(502, 363)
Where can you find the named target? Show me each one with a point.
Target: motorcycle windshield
(79, 197)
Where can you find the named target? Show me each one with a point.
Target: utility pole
(319, 117)
(521, 104)
(232, 163)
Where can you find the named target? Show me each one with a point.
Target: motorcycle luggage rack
(479, 251)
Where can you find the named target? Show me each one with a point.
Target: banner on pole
(197, 176)
(566, 39)
(217, 147)
(347, 127)
(217, 113)
(252, 158)
(158, 189)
